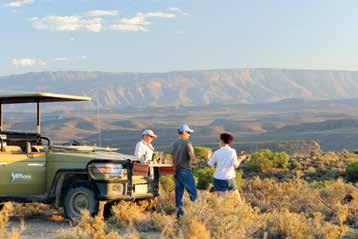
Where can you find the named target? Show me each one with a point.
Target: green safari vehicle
(76, 178)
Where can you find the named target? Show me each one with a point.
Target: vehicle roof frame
(35, 97)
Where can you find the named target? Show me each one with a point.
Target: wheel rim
(79, 202)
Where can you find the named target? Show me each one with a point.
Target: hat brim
(153, 135)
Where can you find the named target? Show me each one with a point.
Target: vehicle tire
(107, 210)
(78, 199)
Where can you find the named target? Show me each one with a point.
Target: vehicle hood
(101, 155)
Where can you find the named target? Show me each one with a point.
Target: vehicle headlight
(100, 170)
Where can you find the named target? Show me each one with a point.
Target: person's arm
(236, 162)
(212, 160)
(191, 153)
(138, 150)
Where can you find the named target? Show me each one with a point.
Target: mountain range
(190, 88)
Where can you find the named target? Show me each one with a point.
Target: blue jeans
(184, 179)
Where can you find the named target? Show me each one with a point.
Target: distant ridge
(191, 88)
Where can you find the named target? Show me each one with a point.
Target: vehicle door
(22, 174)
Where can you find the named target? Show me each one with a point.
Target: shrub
(335, 200)
(5, 214)
(166, 203)
(222, 217)
(195, 230)
(261, 161)
(167, 183)
(238, 179)
(87, 228)
(130, 213)
(352, 172)
(202, 153)
(284, 224)
(154, 222)
(127, 212)
(295, 195)
(340, 201)
(205, 177)
(280, 160)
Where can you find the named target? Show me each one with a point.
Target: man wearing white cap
(144, 148)
(183, 155)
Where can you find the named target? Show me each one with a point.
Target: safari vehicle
(76, 178)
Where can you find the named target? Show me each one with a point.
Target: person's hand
(243, 155)
(209, 155)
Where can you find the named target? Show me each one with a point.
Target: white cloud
(68, 59)
(177, 10)
(62, 59)
(139, 22)
(134, 24)
(160, 14)
(67, 23)
(101, 13)
(18, 3)
(92, 22)
(28, 62)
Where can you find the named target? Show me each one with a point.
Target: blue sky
(159, 36)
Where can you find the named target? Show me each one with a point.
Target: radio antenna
(99, 124)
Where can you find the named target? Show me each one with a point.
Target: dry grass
(336, 201)
(221, 217)
(272, 208)
(293, 209)
(285, 224)
(5, 233)
(89, 228)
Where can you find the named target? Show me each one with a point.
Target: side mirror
(28, 148)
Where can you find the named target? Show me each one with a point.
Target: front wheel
(107, 210)
(78, 199)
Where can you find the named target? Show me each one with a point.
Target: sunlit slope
(119, 90)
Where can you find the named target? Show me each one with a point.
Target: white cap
(150, 133)
(185, 128)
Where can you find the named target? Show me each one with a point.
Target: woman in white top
(225, 160)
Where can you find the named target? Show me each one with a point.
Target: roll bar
(35, 97)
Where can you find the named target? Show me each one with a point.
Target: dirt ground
(46, 223)
(39, 226)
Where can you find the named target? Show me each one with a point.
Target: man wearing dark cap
(183, 155)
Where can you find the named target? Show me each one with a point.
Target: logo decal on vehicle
(20, 176)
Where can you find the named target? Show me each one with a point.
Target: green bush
(352, 172)
(264, 159)
(280, 160)
(205, 177)
(238, 179)
(167, 183)
(202, 153)
(261, 160)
